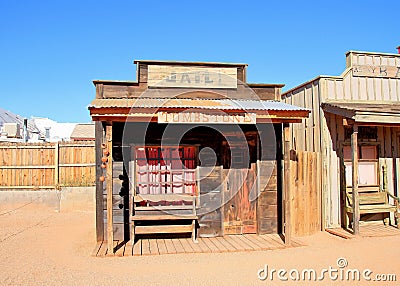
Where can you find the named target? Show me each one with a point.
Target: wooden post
(56, 165)
(286, 185)
(356, 209)
(99, 134)
(109, 188)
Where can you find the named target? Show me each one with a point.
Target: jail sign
(204, 118)
(191, 77)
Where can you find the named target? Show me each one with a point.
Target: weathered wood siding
(120, 203)
(324, 132)
(364, 88)
(305, 200)
(211, 192)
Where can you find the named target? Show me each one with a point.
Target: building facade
(196, 129)
(364, 99)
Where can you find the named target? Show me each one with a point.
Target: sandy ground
(44, 247)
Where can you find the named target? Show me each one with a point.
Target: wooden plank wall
(306, 136)
(211, 201)
(305, 198)
(361, 88)
(47, 165)
(119, 203)
(268, 202)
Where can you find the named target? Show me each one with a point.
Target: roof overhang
(366, 113)
(147, 109)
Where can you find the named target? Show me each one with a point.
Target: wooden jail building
(190, 147)
(355, 121)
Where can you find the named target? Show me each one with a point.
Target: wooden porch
(227, 243)
(366, 230)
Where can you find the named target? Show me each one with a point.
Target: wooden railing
(47, 165)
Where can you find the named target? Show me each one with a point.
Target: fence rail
(47, 165)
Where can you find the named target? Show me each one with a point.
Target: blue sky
(52, 50)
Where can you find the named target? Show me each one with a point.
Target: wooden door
(240, 208)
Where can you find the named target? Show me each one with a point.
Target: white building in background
(52, 131)
(15, 128)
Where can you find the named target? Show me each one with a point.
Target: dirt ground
(43, 247)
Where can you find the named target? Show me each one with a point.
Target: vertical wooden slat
(356, 211)
(287, 193)
(56, 164)
(293, 201)
(109, 188)
(99, 185)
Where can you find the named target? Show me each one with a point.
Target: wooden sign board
(376, 71)
(191, 77)
(204, 118)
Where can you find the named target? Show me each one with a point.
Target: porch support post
(99, 185)
(286, 184)
(109, 189)
(355, 198)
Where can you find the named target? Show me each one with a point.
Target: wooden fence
(47, 165)
(305, 170)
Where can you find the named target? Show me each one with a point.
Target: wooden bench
(160, 214)
(371, 201)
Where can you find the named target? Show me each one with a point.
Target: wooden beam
(348, 122)
(109, 189)
(99, 185)
(286, 194)
(355, 198)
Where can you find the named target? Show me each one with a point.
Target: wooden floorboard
(153, 247)
(261, 242)
(228, 243)
(146, 247)
(178, 246)
(137, 248)
(229, 246)
(233, 243)
(278, 240)
(103, 249)
(366, 230)
(170, 246)
(97, 248)
(120, 249)
(207, 241)
(203, 246)
(248, 242)
(195, 246)
(252, 238)
(272, 244)
(221, 246)
(162, 248)
(128, 249)
(187, 246)
(238, 241)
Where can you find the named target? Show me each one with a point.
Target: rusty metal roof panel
(220, 104)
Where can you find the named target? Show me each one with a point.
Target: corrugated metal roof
(365, 107)
(9, 117)
(219, 104)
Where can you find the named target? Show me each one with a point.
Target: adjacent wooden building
(355, 121)
(190, 140)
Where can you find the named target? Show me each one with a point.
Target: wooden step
(150, 229)
(162, 217)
